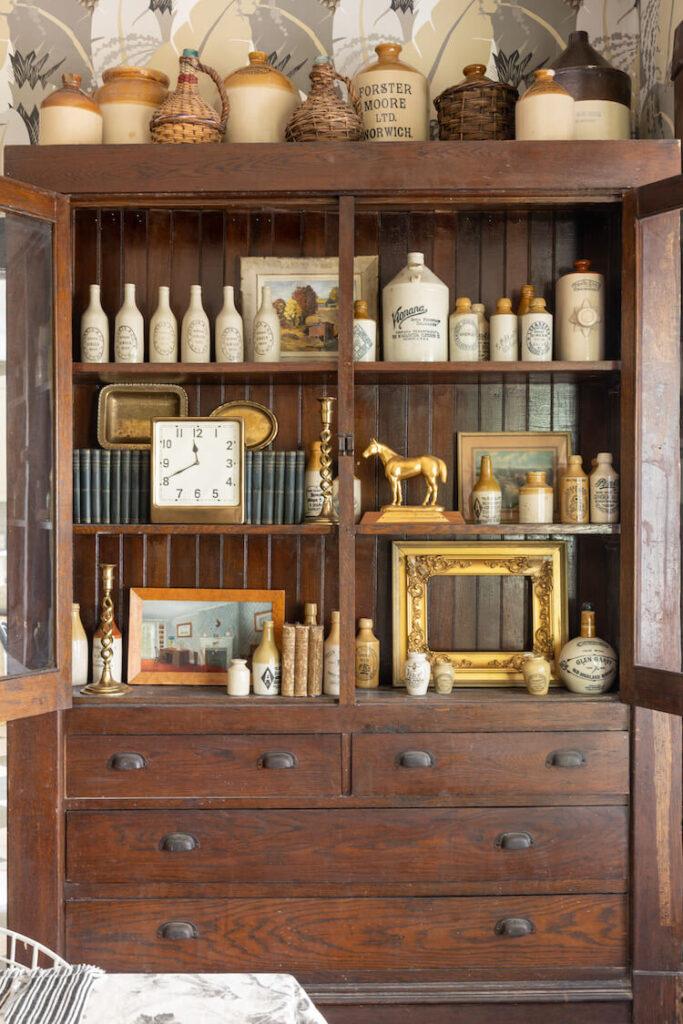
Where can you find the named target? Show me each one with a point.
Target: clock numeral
(197, 492)
(164, 482)
(229, 445)
(197, 432)
(166, 442)
(178, 431)
(229, 481)
(165, 463)
(215, 492)
(229, 463)
(180, 491)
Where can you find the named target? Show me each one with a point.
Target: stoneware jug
(416, 673)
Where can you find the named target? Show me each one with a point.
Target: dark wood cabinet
(527, 863)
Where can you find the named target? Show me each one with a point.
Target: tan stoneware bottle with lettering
(486, 496)
(483, 331)
(536, 331)
(574, 502)
(463, 332)
(604, 488)
(535, 499)
(265, 664)
(503, 333)
(394, 98)
(367, 656)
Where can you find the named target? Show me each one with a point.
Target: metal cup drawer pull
(179, 842)
(514, 841)
(415, 759)
(277, 759)
(127, 762)
(565, 759)
(175, 930)
(514, 927)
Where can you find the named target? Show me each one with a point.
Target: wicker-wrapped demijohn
(184, 116)
(324, 115)
(477, 108)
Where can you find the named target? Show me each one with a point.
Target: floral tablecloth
(199, 999)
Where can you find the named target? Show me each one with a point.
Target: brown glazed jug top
(582, 266)
(71, 95)
(388, 60)
(360, 310)
(544, 85)
(536, 478)
(258, 72)
(130, 84)
(587, 75)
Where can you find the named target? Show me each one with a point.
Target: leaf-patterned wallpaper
(41, 39)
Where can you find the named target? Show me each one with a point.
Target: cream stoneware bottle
(463, 332)
(535, 499)
(129, 330)
(266, 332)
(265, 664)
(364, 334)
(415, 315)
(313, 491)
(587, 664)
(504, 331)
(79, 648)
(239, 678)
(537, 333)
(483, 331)
(367, 656)
(580, 314)
(574, 502)
(486, 496)
(195, 333)
(94, 330)
(163, 331)
(229, 330)
(604, 490)
(331, 659)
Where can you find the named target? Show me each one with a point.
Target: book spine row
(274, 487)
(110, 486)
(302, 660)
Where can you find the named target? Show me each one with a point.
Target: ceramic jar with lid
(545, 111)
(463, 332)
(580, 314)
(262, 100)
(601, 93)
(503, 333)
(394, 98)
(415, 315)
(128, 98)
(537, 333)
(68, 116)
(535, 499)
(416, 674)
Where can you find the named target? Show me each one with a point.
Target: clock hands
(195, 463)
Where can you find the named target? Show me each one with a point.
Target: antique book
(135, 486)
(301, 660)
(290, 486)
(105, 485)
(77, 485)
(248, 457)
(95, 484)
(315, 661)
(144, 487)
(125, 486)
(268, 492)
(279, 488)
(256, 485)
(288, 641)
(299, 492)
(115, 486)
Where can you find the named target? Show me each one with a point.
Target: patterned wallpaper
(40, 39)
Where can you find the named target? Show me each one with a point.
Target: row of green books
(110, 486)
(274, 487)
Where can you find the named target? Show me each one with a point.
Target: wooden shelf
(316, 372)
(486, 373)
(476, 529)
(156, 529)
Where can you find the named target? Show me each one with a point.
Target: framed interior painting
(305, 292)
(513, 454)
(189, 637)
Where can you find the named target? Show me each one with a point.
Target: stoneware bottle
(266, 332)
(525, 297)
(602, 94)
(444, 677)
(537, 333)
(367, 656)
(574, 503)
(604, 490)
(587, 664)
(463, 332)
(94, 330)
(129, 331)
(69, 117)
(116, 663)
(265, 664)
(195, 332)
(483, 331)
(580, 314)
(535, 499)
(331, 659)
(504, 331)
(229, 330)
(486, 498)
(536, 672)
(313, 492)
(415, 315)
(79, 648)
(128, 98)
(545, 111)
(163, 331)
(394, 98)
(416, 674)
(239, 678)
(364, 334)
(262, 100)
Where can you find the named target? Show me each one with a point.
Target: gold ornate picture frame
(415, 563)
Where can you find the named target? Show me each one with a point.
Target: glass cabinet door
(652, 435)
(35, 433)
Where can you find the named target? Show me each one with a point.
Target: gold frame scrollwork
(414, 563)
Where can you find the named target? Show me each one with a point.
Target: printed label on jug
(92, 345)
(538, 338)
(465, 337)
(486, 508)
(362, 342)
(197, 336)
(126, 344)
(164, 339)
(229, 345)
(606, 495)
(389, 109)
(415, 324)
(264, 338)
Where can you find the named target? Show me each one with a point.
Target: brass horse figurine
(397, 468)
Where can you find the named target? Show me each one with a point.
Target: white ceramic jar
(394, 98)
(580, 314)
(415, 315)
(195, 332)
(331, 659)
(536, 499)
(94, 330)
(537, 333)
(604, 490)
(463, 333)
(229, 330)
(239, 678)
(416, 674)
(483, 331)
(266, 332)
(68, 116)
(79, 648)
(364, 334)
(504, 331)
(163, 331)
(262, 100)
(545, 111)
(129, 330)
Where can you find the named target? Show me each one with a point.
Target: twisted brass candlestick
(107, 686)
(327, 511)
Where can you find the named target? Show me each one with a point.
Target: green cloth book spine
(115, 486)
(95, 485)
(299, 490)
(135, 486)
(248, 456)
(256, 485)
(77, 485)
(105, 486)
(290, 486)
(279, 490)
(125, 486)
(268, 494)
(85, 485)
(145, 514)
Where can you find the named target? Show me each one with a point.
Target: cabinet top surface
(403, 171)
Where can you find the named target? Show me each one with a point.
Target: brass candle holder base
(103, 689)
(106, 685)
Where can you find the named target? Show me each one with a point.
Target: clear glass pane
(26, 446)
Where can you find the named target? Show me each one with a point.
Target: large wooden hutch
(394, 893)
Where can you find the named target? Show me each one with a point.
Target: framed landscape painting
(305, 292)
(513, 454)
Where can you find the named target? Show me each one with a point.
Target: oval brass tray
(260, 423)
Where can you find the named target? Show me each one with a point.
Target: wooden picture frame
(414, 563)
(219, 629)
(513, 454)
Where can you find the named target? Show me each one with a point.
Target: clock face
(197, 468)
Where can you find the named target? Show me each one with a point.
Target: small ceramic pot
(536, 672)
(535, 499)
(444, 675)
(239, 678)
(128, 98)
(416, 673)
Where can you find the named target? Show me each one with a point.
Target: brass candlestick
(107, 686)
(327, 511)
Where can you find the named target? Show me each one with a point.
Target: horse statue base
(411, 514)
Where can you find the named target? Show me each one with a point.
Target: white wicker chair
(13, 942)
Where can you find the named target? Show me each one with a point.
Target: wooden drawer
(305, 936)
(495, 764)
(203, 766)
(568, 849)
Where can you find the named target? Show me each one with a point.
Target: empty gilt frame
(414, 563)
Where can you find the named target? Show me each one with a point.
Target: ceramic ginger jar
(545, 111)
(262, 100)
(128, 98)
(68, 116)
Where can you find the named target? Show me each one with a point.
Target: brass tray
(125, 412)
(260, 423)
